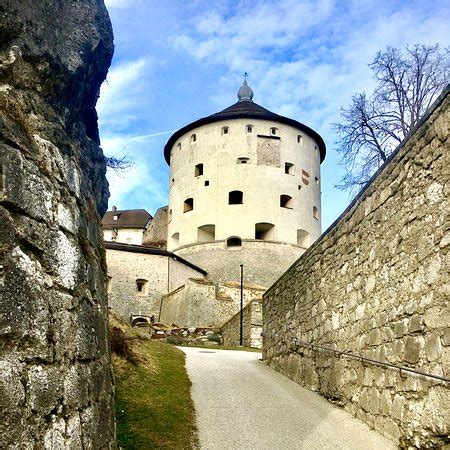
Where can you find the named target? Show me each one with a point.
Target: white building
(244, 189)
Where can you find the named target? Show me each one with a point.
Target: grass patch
(154, 408)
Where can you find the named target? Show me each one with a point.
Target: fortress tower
(244, 189)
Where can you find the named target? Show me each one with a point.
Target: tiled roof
(126, 218)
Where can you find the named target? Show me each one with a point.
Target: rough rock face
(56, 387)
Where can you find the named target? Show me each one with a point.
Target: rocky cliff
(56, 388)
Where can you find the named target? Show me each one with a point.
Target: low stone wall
(252, 327)
(376, 284)
(201, 303)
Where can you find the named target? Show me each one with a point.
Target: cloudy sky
(176, 61)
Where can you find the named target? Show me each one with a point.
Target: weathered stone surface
(55, 364)
(377, 285)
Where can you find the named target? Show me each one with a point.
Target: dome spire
(245, 93)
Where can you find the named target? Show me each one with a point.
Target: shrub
(120, 347)
(214, 338)
(175, 340)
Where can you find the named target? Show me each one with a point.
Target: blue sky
(176, 61)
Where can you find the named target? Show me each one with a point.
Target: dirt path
(242, 403)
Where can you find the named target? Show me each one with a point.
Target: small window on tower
(289, 168)
(188, 205)
(235, 198)
(274, 131)
(193, 138)
(316, 180)
(225, 130)
(286, 201)
(243, 160)
(249, 128)
(234, 243)
(198, 170)
(315, 212)
(172, 181)
(207, 183)
(300, 139)
(179, 146)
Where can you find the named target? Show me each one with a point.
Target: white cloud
(117, 3)
(121, 94)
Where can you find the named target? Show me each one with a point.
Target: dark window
(300, 139)
(234, 242)
(264, 231)
(299, 187)
(274, 131)
(286, 201)
(235, 198)
(141, 286)
(225, 130)
(243, 160)
(198, 170)
(207, 183)
(315, 212)
(193, 138)
(289, 168)
(249, 128)
(188, 205)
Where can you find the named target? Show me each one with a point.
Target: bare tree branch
(408, 81)
(118, 164)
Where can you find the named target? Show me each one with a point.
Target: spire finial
(245, 92)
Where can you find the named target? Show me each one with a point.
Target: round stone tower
(244, 189)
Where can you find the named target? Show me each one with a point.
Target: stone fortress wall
(202, 303)
(252, 327)
(56, 385)
(157, 271)
(376, 284)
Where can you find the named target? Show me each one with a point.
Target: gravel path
(242, 403)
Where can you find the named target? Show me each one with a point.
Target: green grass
(154, 408)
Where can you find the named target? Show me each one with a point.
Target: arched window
(302, 238)
(235, 198)
(243, 160)
(193, 137)
(141, 286)
(234, 242)
(274, 131)
(198, 170)
(188, 205)
(179, 146)
(175, 239)
(286, 201)
(225, 130)
(315, 212)
(206, 233)
(249, 128)
(264, 231)
(300, 139)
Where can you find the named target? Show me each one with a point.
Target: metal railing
(350, 355)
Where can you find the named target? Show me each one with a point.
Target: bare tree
(118, 164)
(372, 127)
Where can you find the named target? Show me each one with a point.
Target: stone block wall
(161, 272)
(202, 303)
(376, 284)
(252, 327)
(56, 385)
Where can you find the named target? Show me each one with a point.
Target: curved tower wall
(284, 232)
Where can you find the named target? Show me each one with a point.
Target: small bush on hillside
(175, 340)
(120, 347)
(214, 338)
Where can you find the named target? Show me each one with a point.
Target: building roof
(126, 218)
(245, 108)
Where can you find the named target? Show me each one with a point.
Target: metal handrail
(363, 358)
